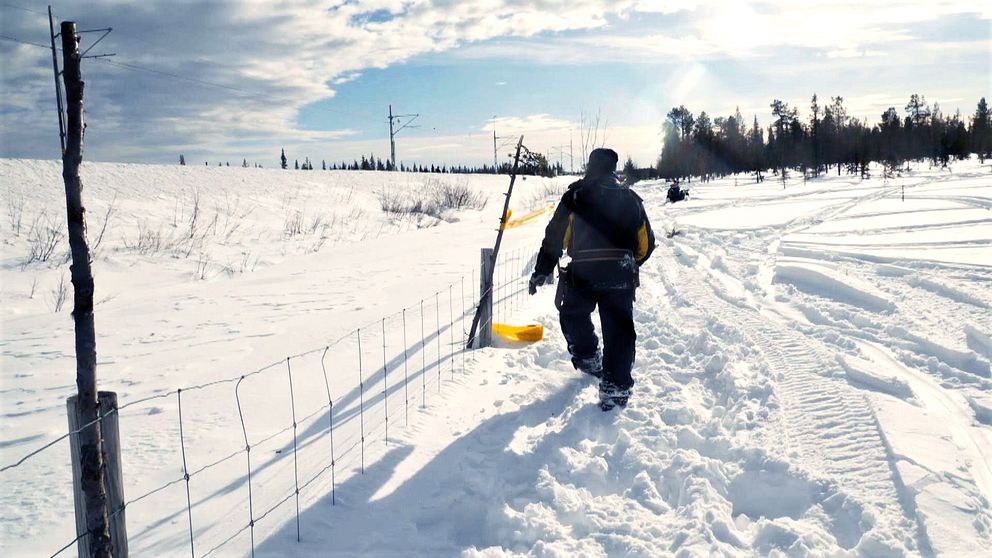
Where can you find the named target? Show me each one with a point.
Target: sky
(227, 80)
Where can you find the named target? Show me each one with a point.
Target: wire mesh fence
(231, 460)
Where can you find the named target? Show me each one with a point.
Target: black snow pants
(616, 307)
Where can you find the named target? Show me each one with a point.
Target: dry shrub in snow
(447, 195)
(293, 226)
(202, 265)
(103, 229)
(392, 202)
(147, 240)
(44, 237)
(436, 197)
(59, 295)
(15, 212)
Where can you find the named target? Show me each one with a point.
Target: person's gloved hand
(536, 281)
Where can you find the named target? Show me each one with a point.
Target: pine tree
(702, 146)
(296, 164)
(244, 163)
(629, 169)
(981, 132)
(756, 150)
(182, 160)
(917, 108)
(890, 135)
(670, 164)
(816, 151)
(682, 119)
(282, 159)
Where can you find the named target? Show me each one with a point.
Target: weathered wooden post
(485, 338)
(113, 480)
(487, 277)
(90, 459)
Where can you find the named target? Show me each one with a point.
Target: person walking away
(605, 230)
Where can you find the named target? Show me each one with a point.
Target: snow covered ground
(813, 371)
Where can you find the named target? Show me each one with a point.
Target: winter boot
(611, 395)
(590, 365)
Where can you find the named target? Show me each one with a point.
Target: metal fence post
(485, 337)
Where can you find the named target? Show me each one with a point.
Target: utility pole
(58, 88)
(560, 150)
(495, 158)
(392, 141)
(392, 132)
(571, 159)
(90, 438)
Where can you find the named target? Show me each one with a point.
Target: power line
(6, 5)
(172, 75)
(129, 66)
(137, 67)
(16, 40)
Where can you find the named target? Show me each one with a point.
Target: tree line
(696, 145)
(531, 163)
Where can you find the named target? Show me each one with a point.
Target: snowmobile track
(829, 426)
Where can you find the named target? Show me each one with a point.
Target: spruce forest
(828, 139)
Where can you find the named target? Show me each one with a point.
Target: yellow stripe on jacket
(568, 232)
(642, 243)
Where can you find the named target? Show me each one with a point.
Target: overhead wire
(21, 8)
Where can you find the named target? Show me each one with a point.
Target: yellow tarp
(531, 332)
(528, 217)
(505, 223)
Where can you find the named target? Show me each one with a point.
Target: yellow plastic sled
(530, 332)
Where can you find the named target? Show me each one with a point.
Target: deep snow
(813, 372)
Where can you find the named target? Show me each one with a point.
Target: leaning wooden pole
(486, 292)
(90, 446)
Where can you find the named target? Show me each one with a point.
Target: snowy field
(813, 370)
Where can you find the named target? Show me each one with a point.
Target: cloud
(602, 47)
(854, 53)
(736, 30)
(515, 125)
(231, 71)
(230, 76)
(541, 132)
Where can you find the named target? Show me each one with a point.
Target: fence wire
(506, 290)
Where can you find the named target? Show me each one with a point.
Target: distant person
(603, 226)
(676, 193)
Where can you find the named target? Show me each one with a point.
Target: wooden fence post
(485, 338)
(90, 454)
(113, 477)
(499, 240)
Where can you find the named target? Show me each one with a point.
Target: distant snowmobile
(676, 193)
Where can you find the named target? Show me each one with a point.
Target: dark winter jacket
(676, 193)
(603, 227)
